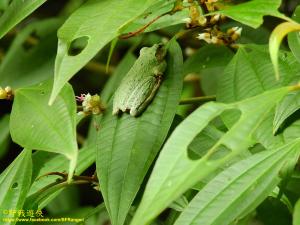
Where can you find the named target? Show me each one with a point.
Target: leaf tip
(53, 96)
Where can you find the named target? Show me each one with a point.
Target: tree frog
(142, 81)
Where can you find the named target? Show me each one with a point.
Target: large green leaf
(208, 62)
(35, 125)
(15, 12)
(4, 134)
(276, 38)
(175, 172)
(35, 63)
(251, 73)
(128, 145)
(98, 22)
(294, 38)
(252, 12)
(239, 188)
(209, 56)
(15, 182)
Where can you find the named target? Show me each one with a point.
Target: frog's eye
(160, 46)
(160, 52)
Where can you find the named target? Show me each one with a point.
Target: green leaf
(175, 172)
(276, 38)
(98, 215)
(45, 162)
(251, 73)
(128, 145)
(158, 9)
(35, 125)
(294, 37)
(3, 5)
(27, 64)
(292, 131)
(208, 62)
(252, 12)
(78, 213)
(97, 22)
(15, 12)
(288, 105)
(240, 188)
(121, 70)
(284, 199)
(108, 91)
(296, 215)
(67, 200)
(4, 135)
(15, 183)
(209, 56)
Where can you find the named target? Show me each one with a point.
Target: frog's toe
(133, 112)
(116, 111)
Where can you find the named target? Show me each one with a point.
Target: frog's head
(157, 50)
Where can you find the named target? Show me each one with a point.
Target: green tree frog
(142, 81)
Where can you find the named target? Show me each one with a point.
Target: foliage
(218, 144)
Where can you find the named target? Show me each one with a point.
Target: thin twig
(143, 28)
(64, 177)
(99, 68)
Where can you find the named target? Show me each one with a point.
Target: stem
(99, 68)
(201, 99)
(143, 28)
(64, 176)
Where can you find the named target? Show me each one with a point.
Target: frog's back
(141, 71)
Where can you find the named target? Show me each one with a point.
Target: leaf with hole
(43, 127)
(238, 189)
(102, 20)
(15, 182)
(250, 73)
(175, 172)
(128, 145)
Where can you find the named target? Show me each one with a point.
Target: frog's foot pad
(116, 111)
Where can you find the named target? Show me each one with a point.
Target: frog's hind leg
(149, 95)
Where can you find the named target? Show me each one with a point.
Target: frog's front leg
(159, 69)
